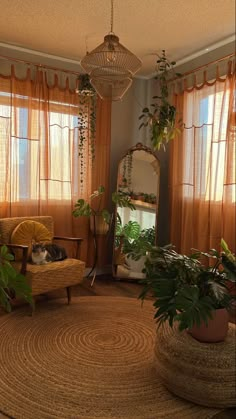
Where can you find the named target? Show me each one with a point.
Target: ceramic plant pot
(215, 331)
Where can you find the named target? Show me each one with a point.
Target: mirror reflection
(138, 177)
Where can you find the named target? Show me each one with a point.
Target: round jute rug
(91, 359)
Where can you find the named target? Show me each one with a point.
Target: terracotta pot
(217, 328)
(139, 198)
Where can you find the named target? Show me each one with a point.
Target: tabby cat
(46, 253)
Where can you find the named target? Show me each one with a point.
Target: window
(39, 149)
(206, 146)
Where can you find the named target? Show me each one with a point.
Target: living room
(60, 149)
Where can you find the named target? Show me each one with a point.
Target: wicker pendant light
(111, 66)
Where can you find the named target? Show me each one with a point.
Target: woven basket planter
(101, 227)
(203, 373)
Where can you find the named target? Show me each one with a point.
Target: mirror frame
(137, 147)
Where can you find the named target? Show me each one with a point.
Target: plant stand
(203, 373)
(98, 227)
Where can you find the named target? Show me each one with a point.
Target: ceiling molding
(39, 54)
(197, 54)
(148, 77)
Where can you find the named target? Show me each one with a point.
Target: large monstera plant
(186, 290)
(85, 208)
(161, 116)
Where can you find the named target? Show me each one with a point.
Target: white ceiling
(65, 27)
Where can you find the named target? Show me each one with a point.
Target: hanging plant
(85, 87)
(86, 120)
(161, 115)
(129, 158)
(124, 174)
(126, 177)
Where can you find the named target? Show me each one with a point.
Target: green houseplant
(94, 209)
(11, 281)
(101, 219)
(86, 121)
(160, 116)
(132, 243)
(140, 244)
(186, 290)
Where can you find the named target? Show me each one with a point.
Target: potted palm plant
(185, 290)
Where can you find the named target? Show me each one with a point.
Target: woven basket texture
(204, 373)
(7, 225)
(52, 276)
(92, 359)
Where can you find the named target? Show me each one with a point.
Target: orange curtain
(203, 167)
(41, 170)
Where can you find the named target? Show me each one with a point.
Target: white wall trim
(196, 54)
(39, 53)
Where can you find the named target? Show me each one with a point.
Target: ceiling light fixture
(111, 66)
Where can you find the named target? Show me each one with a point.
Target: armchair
(42, 278)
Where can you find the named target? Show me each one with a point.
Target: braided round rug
(91, 359)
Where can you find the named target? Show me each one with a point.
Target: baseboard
(106, 270)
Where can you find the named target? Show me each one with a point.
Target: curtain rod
(210, 63)
(40, 65)
(78, 73)
(204, 66)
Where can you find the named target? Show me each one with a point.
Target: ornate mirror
(139, 178)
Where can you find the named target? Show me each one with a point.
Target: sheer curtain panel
(203, 166)
(40, 165)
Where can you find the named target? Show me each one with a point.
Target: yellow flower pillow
(27, 232)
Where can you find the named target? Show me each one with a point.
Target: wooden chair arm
(77, 240)
(24, 255)
(16, 246)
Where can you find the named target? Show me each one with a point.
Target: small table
(204, 373)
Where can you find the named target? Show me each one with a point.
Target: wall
(125, 123)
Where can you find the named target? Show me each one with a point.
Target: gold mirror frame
(119, 261)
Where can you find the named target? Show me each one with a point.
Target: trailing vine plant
(86, 122)
(127, 172)
(161, 114)
(129, 158)
(124, 174)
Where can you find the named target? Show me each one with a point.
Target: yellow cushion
(29, 231)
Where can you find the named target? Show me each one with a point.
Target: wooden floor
(105, 285)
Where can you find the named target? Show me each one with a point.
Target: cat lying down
(46, 253)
